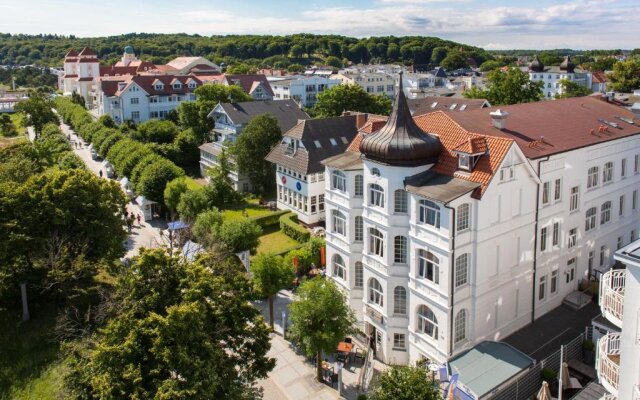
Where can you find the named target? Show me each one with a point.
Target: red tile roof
(71, 53)
(549, 127)
(474, 145)
(88, 52)
(246, 81)
(146, 82)
(451, 136)
(599, 77)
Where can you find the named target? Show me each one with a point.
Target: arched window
(592, 177)
(375, 292)
(359, 275)
(338, 181)
(427, 322)
(605, 212)
(376, 242)
(590, 221)
(428, 266)
(462, 270)
(338, 267)
(339, 222)
(376, 195)
(400, 250)
(460, 326)
(358, 229)
(400, 201)
(429, 213)
(462, 216)
(375, 172)
(399, 300)
(607, 172)
(359, 186)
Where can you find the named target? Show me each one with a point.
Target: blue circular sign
(298, 186)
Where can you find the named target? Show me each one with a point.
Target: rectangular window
(556, 234)
(554, 281)
(573, 237)
(636, 163)
(603, 251)
(623, 167)
(620, 242)
(607, 172)
(571, 270)
(621, 211)
(542, 288)
(543, 239)
(592, 177)
(632, 236)
(321, 202)
(359, 229)
(135, 115)
(634, 199)
(590, 261)
(399, 341)
(546, 188)
(135, 100)
(557, 190)
(313, 205)
(575, 197)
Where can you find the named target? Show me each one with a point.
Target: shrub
(154, 179)
(268, 220)
(290, 227)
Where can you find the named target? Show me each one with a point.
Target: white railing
(608, 397)
(609, 362)
(612, 295)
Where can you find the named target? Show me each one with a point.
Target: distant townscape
(316, 216)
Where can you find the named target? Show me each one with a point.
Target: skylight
(453, 106)
(463, 107)
(344, 139)
(333, 142)
(317, 143)
(434, 104)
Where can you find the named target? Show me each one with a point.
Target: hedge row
(147, 171)
(265, 221)
(290, 227)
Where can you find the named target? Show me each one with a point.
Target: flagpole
(560, 373)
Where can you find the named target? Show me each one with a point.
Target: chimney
(361, 119)
(499, 119)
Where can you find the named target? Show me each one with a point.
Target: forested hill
(256, 51)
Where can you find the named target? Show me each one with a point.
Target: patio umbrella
(544, 393)
(566, 378)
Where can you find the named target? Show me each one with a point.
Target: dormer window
(469, 152)
(177, 85)
(464, 162)
(157, 85)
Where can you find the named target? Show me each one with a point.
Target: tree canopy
(333, 102)
(183, 330)
(260, 135)
(320, 317)
(270, 274)
(625, 76)
(510, 87)
(38, 111)
(404, 382)
(572, 89)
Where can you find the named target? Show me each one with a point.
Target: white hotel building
(449, 229)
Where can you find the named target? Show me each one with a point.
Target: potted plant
(588, 351)
(551, 377)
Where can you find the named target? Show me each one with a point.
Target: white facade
(552, 75)
(419, 85)
(371, 82)
(302, 194)
(618, 353)
(430, 279)
(304, 90)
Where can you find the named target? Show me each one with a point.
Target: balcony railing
(609, 362)
(612, 295)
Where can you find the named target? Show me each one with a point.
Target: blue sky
(492, 24)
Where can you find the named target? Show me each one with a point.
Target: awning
(177, 225)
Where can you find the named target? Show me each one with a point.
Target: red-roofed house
(451, 228)
(599, 82)
(256, 86)
(142, 97)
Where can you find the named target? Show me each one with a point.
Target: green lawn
(251, 209)
(274, 241)
(29, 364)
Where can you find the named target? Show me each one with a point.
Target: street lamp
(433, 368)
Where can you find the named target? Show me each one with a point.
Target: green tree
(7, 128)
(295, 68)
(333, 102)
(572, 89)
(404, 382)
(78, 99)
(625, 76)
(510, 87)
(154, 178)
(174, 191)
(490, 65)
(438, 54)
(184, 331)
(260, 135)
(334, 62)
(220, 189)
(297, 51)
(38, 111)
(239, 235)
(454, 60)
(156, 131)
(321, 318)
(206, 226)
(270, 274)
(192, 202)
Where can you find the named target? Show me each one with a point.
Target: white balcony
(608, 364)
(612, 295)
